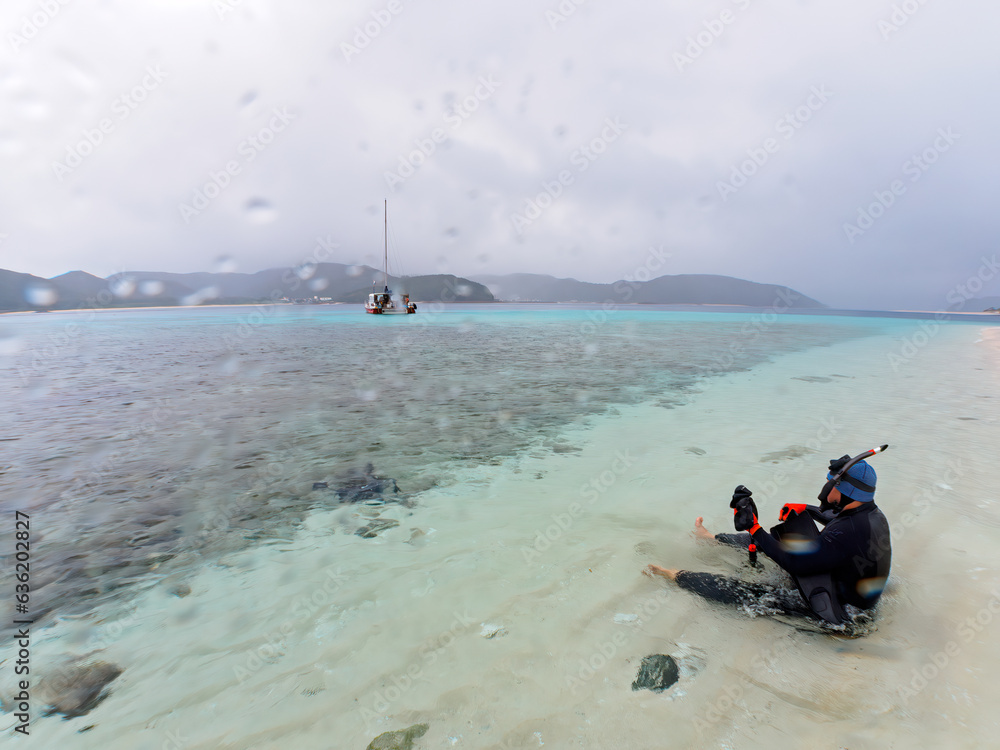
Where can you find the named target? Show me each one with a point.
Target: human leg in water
(733, 591)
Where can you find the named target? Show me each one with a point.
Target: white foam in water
(315, 633)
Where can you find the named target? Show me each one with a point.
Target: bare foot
(656, 570)
(701, 532)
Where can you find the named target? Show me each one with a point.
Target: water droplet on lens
(201, 296)
(318, 285)
(355, 270)
(225, 264)
(368, 395)
(122, 287)
(306, 271)
(229, 365)
(248, 98)
(260, 211)
(451, 232)
(41, 296)
(10, 344)
(152, 288)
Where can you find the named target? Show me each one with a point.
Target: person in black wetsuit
(848, 561)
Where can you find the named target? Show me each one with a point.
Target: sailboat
(384, 302)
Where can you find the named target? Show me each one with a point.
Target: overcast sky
(742, 137)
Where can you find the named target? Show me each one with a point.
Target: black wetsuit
(854, 549)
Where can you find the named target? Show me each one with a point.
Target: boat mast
(385, 255)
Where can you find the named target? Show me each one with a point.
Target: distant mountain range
(332, 282)
(977, 304)
(336, 282)
(684, 289)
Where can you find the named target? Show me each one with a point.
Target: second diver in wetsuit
(847, 563)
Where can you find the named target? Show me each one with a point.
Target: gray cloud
(700, 92)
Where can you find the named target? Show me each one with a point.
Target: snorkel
(838, 473)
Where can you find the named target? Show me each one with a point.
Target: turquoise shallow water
(158, 447)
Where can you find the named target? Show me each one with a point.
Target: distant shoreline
(718, 307)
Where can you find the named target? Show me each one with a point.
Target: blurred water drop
(560, 131)
(260, 211)
(122, 287)
(229, 365)
(368, 395)
(306, 271)
(483, 257)
(319, 284)
(248, 98)
(10, 145)
(418, 105)
(355, 270)
(473, 194)
(451, 232)
(30, 107)
(463, 290)
(225, 264)
(443, 423)
(362, 145)
(41, 296)
(151, 288)
(590, 350)
(10, 344)
(201, 296)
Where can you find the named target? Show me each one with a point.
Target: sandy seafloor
(326, 640)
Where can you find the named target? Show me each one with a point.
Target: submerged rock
(377, 525)
(363, 486)
(401, 739)
(657, 672)
(77, 688)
